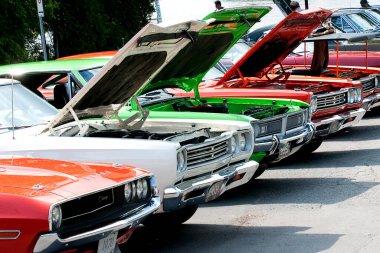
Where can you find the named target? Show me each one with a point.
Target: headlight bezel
(54, 222)
(128, 192)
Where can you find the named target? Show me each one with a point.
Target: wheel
(173, 218)
(260, 170)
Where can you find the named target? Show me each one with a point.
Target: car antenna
(13, 121)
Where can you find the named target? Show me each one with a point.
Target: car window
(362, 22)
(87, 74)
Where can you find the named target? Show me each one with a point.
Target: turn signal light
(9, 234)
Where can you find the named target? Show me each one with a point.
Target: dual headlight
(354, 95)
(241, 142)
(313, 104)
(136, 190)
(181, 160)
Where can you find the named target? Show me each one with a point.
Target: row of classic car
(194, 160)
(145, 107)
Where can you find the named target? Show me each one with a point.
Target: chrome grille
(295, 120)
(368, 84)
(270, 127)
(207, 153)
(333, 100)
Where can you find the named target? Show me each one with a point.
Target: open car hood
(277, 44)
(188, 68)
(140, 60)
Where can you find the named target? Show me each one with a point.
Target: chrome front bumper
(371, 101)
(336, 123)
(295, 140)
(53, 243)
(195, 191)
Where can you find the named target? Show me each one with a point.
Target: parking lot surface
(328, 202)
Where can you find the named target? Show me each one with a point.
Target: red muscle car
(317, 64)
(55, 206)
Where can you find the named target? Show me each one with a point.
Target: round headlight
(56, 217)
(133, 184)
(145, 188)
(242, 142)
(139, 189)
(351, 96)
(358, 94)
(128, 192)
(233, 145)
(181, 160)
(313, 104)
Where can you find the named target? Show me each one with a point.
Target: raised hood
(40, 177)
(277, 44)
(137, 63)
(188, 68)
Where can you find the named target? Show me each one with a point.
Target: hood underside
(225, 28)
(277, 44)
(131, 68)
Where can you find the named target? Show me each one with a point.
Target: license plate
(107, 245)
(214, 191)
(284, 151)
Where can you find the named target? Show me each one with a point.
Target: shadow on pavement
(321, 191)
(228, 238)
(331, 159)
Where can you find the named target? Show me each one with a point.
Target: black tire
(260, 170)
(173, 218)
(310, 147)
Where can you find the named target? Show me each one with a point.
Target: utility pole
(40, 10)
(158, 11)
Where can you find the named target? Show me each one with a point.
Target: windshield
(376, 14)
(300, 50)
(29, 109)
(362, 22)
(237, 51)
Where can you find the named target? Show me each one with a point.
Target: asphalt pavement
(328, 202)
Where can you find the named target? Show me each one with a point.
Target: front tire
(174, 218)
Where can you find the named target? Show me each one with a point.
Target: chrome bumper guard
(195, 191)
(276, 144)
(338, 122)
(52, 243)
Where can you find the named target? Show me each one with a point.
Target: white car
(194, 161)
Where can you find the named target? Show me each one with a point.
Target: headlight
(233, 145)
(244, 141)
(56, 217)
(181, 160)
(358, 94)
(351, 95)
(128, 192)
(139, 189)
(313, 104)
(377, 81)
(145, 188)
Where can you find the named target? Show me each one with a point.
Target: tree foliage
(76, 26)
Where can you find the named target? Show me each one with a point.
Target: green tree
(19, 26)
(76, 26)
(94, 25)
